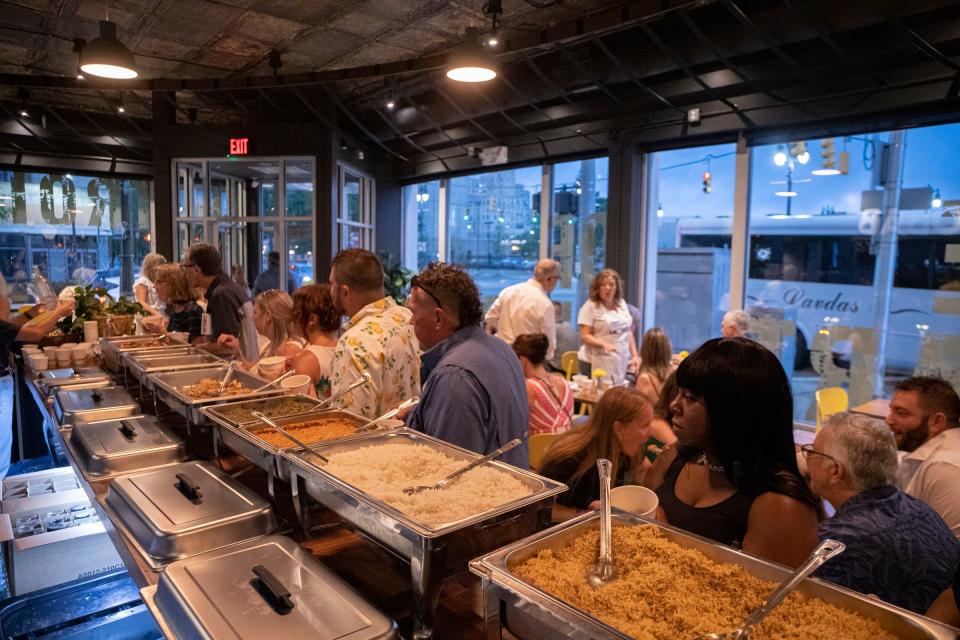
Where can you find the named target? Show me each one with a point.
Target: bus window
(829, 259)
(922, 264)
(701, 241)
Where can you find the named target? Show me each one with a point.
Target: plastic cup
(38, 362)
(296, 384)
(65, 355)
(82, 352)
(271, 368)
(50, 352)
(635, 499)
(91, 331)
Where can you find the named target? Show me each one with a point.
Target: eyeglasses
(807, 450)
(414, 283)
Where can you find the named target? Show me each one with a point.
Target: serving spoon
(604, 571)
(389, 414)
(826, 550)
(270, 423)
(443, 482)
(362, 380)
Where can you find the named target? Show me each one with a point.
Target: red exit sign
(239, 146)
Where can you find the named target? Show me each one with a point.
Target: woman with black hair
(732, 475)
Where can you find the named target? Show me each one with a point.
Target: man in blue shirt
(474, 394)
(898, 548)
(270, 279)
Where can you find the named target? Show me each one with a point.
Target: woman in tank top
(277, 334)
(549, 397)
(732, 475)
(656, 353)
(319, 322)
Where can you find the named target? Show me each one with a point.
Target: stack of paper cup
(90, 331)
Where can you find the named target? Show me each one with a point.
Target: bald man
(526, 307)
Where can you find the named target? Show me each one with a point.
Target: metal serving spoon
(362, 380)
(226, 377)
(389, 414)
(270, 423)
(443, 482)
(604, 571)
(273, 383)
(826, 550)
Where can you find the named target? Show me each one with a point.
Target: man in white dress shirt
(925, 420)
(526, 307)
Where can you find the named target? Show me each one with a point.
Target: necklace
(703, 462)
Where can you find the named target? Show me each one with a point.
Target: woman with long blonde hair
(145, 287)
(656, 356)
(273, 317)
(616, 431)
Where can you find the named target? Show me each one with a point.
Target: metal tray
(113, 447)
(166, 521)
(73, 406)
(112, 351)
(167, 387)
(433, 553)
(217, 595)
(266, 406)
(72, 379)
(531, 614)
(143, 366)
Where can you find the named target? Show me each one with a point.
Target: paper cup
(296, 384)
(82, 352)
(91, 332)
(271, 368)
(65, 355)
(38, 362)
(636, 499)
(50, 352)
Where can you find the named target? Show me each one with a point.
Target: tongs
(604, 571)
(226, 377)
(362, 380)
(270, 423)
(443, 482)
(826, 550)
(406, 404)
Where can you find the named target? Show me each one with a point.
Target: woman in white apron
(605, 323)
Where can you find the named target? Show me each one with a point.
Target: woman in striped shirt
(548, 395)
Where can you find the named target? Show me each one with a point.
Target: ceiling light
(826, 172)
(391, 104)
(469, 62)
(785, 194)
(24, 113)
(492, 41)
(106, 56)
(120, 109)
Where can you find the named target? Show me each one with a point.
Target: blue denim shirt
(473, 395)
(898, 548)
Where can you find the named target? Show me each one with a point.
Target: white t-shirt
(932, 474)
(523, 308)
(613, 327)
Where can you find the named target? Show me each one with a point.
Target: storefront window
(75, 229)
(421, 207)
(355, 218)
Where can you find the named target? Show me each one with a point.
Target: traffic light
(828, 159)
(706, 181)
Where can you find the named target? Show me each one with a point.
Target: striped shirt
(550, 411)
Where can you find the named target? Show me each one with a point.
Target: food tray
(167, 387)
(143, 366)
(109, 448)
(531, 614)
(433, 552)
(74, 405)
(272, 407)
(113, 348)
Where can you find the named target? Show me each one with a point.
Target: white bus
(822, 268)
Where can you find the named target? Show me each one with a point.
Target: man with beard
(924, 417)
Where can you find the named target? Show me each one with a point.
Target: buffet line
(150, 429)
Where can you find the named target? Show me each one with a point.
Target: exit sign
(239, 146)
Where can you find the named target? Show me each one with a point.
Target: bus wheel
(801, 357)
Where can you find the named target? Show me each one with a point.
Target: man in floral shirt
(377, 339)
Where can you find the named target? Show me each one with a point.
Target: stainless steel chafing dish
(109, 448)
(184, 509)
(531, 614)
(240, 439)
(142, 366)
(269, 588)
(73, 406)
(433, 553)
(168, 388)
(84, 378)
(270, 407)
(113, 348)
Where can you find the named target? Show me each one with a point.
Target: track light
(24, 113)
(106, 56)
(469, 62)
(391, 104)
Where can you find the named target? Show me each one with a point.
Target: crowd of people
(711, 434)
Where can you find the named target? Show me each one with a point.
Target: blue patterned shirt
(898, 548)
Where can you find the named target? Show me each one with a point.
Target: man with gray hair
(735, 324)
(898, 548)
(526, 307)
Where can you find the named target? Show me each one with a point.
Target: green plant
(124, 307)
(89, 304)
(396, 278)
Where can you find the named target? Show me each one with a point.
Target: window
(76, 229)
(355, 218)
(928, 262)
(830, 259)
(421, 209)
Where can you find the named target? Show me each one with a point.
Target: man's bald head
(547, 273)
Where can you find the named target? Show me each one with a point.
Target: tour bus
(822, 268)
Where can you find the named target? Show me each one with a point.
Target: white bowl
(297, 384)
(636, 499)
(270, 368)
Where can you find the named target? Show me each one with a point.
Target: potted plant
(396, 278)
(114, 318)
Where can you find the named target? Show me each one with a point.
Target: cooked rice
(210, 388)
(383, 471)
(665, 591)
(307, 431)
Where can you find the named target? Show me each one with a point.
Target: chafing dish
(143, 366)
(269, 588)
(433, 552)
(169, 389)
(531, 614)
(109, 448)
(180, 510)
(272, 407)
(73, 406)
(113, 348)
(83, 378)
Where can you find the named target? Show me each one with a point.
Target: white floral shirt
(379, 340)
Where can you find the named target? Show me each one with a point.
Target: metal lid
(68, 378)
(269, 588)
(127, 444)
(70, 373)
(74, 405)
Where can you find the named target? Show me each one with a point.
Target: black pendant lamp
(470, 62)
(107, 57)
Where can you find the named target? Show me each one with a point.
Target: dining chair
(830, 400)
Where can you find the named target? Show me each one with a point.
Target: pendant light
(470, 62)
(107, 57)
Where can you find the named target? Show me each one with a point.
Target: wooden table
(877, 408)
(587, 395)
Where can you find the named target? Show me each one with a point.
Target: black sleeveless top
(724, 522)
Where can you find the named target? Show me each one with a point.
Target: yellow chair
(830, 400)
(569, 363)
(537, 445)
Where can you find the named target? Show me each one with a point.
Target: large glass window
(421, 214)
(355, 218)
(75, 229)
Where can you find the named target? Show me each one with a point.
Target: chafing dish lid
(185, 496)
(157, 361)
(71, 373)
(226, 593)
(79, 400)
(125, 436)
